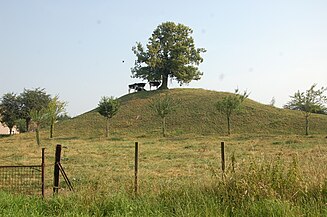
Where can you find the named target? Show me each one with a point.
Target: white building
(4, 130)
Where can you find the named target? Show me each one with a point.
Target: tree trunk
(37, 131)
(107, 128)
(306, 124)
(164, 83)
(228, 125)
(164, 126)
(10, 130)
(28, 120)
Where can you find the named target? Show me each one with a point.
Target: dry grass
(107, 164)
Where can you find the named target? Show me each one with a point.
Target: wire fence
(21, 179)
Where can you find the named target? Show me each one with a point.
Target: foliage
(36, 99)
(170, 52)
(108, 107)
(230, 104)
(9, 110)
(39, 117)
(310, 101)
(55, 108)
(163, 106)
(21, 125)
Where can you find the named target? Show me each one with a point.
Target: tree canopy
(39, 117)
(162, 106)
(108, 107)
(310, 101)
(9, 110)
(31, 105)
(55, 108)
(230, 104)
(36, 99)
(170, 53)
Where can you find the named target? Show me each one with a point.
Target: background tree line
(32, 107)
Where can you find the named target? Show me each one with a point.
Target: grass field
(275, 173)
(179, 176)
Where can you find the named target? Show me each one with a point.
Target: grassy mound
(195, 113)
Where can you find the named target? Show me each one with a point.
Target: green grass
(178, 176)
(278, 171)
(273, 189)
(195, 113)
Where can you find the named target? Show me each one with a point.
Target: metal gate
(25, 179)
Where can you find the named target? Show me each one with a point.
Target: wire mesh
(21, 179)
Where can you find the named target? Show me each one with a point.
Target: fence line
(27, 179)
(21, 179)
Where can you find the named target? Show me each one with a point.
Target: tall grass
(274, 188)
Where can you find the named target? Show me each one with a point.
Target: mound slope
(194, 113)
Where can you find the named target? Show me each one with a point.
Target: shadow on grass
(4, 135)
(67, 138)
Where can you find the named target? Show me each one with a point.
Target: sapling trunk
(306, 125)
(228, 125)
(107, 128)
(37, 131)
(164, 126)
(27, 122)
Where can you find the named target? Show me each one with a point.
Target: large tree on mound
(170, 53)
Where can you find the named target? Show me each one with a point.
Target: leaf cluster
(231, 103)
(55, 108)
(9, 109)
(310, 101)
(170, 52)
(40, 116)
(162, 105)
(29, 100)
(108, 106)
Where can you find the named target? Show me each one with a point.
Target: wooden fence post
(42, 172)
(136, 166)
(222, 147)
(56, 169)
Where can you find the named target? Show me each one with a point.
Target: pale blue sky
(75, 48)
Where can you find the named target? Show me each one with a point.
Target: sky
(82, 50)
